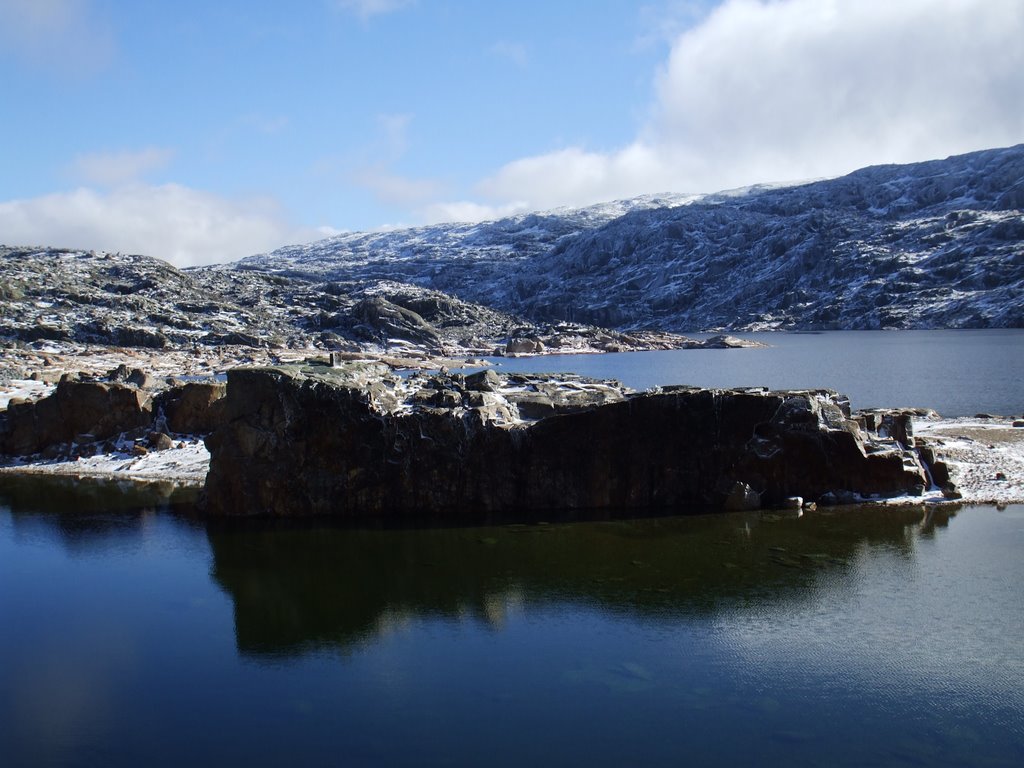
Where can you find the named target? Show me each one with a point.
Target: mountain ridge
(925, 245)
(930, 244)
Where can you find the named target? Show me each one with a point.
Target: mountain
(83, 297)
(934, 244)
(57, 296)
(925, 245)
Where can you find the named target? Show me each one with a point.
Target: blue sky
(205, 131)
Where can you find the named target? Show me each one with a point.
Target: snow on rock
(927, 245)
(185, 464)
(985, 457)
(23, 389)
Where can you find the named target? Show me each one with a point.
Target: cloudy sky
(205, 131)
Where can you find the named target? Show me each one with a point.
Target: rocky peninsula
(356, 441)
(356, 438)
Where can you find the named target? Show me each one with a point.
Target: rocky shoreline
(358, 439)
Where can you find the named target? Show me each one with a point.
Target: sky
(202, 132)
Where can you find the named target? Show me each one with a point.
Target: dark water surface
(958, 373)
(133, 636)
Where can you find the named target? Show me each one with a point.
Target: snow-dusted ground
(985, 457)
(51, 360)
(23, 389)
(185, 464)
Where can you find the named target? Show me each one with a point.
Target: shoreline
(985, 455)
(977, 451)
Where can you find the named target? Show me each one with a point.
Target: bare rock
(298, 444)
(76, 407)
(194, 408)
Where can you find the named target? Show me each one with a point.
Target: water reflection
(736, 639)
(301, 588)
(85, 514)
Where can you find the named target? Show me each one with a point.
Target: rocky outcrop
(76, 411)
(355, 442)
(195, 408)
(84, 415)
(392, 321)
(76, 297)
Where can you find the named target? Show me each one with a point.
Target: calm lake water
(958, 373)
(133, 636)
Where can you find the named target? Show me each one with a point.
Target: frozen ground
(985, 457)
(185, 464)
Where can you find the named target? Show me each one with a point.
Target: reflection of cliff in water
(84, 513)
(312, 587)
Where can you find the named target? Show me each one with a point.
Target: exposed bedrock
(75, 409)
(353, 443)
(86, 412)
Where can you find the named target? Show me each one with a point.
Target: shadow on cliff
(314, 587)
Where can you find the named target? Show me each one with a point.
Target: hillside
(928, 245)
(933, 244)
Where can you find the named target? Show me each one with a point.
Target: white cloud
(576, 177)
(466, 210)
(114, 168)
(377, 174)
(181, 225)
(61, 36)
(367, 8)
(395, 189)
(514, 52)
(775, 90)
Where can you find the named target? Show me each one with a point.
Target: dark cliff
(358, 444)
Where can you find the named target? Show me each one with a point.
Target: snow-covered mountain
(936, 244)
(933, 244)
(70, 298)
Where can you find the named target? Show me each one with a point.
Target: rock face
(84, 411)
(195, 408)
(351, 443)
(76, 409)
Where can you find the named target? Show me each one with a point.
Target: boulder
(483, 381)
(523, 346)
(741, 497)
(195, 408)
(99, 409)
(394, 321)
(159, 441)
(122, 374)
(297, 444)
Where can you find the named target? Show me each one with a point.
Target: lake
(958, 373)
(133, 633)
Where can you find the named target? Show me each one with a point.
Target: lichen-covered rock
(295, 443)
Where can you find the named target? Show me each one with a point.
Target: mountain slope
(56, 296)
(934, 244)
